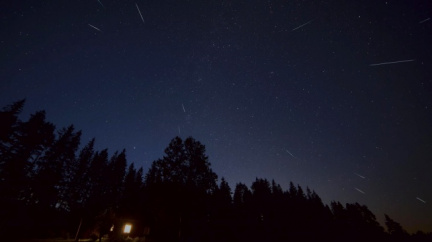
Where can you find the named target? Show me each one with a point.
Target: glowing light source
(127, 228)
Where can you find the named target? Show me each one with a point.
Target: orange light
(127, 228)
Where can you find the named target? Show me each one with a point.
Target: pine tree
(9, 123)
(53, 170)
(114, 177)
(131, 200)
(242, 195)
(29, 142)
(222, 196)
(78, 188)
(96, 187)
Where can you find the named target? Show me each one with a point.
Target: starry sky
(334, 95)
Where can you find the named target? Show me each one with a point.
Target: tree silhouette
(242, 195)
(261, 192)
(47, 186)
(52, 172)
(77, 189)
(179, 185)
(133, 185)
(78, 186)
(96, 187)
(29, 142)
(220, 211)
(9, 125)
(22, 144)
(397, 233)
(355, 220)
(114, 176)
(363, 222)
(184, 163)
(222, 194)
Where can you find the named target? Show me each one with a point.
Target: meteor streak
(139, 12)
(392, 62)
(302, 25)
(290, 153)
(360, 190)
(100, 3)
(95, 28)
(360, 176)
(424, 20)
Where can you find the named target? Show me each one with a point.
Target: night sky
(284, 90)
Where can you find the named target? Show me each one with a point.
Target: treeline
(50, 188)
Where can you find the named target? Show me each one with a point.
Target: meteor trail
(392, 62)
(424, 20)
(139, 12)
(101, 3)
(290, 153)
(302, 25)
(184, 110)
(360, 176)
(421, 200)
(95, 28)
(360, 190)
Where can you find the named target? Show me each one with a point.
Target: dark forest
(51, 188)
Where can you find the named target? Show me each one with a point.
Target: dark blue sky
(268, 99)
